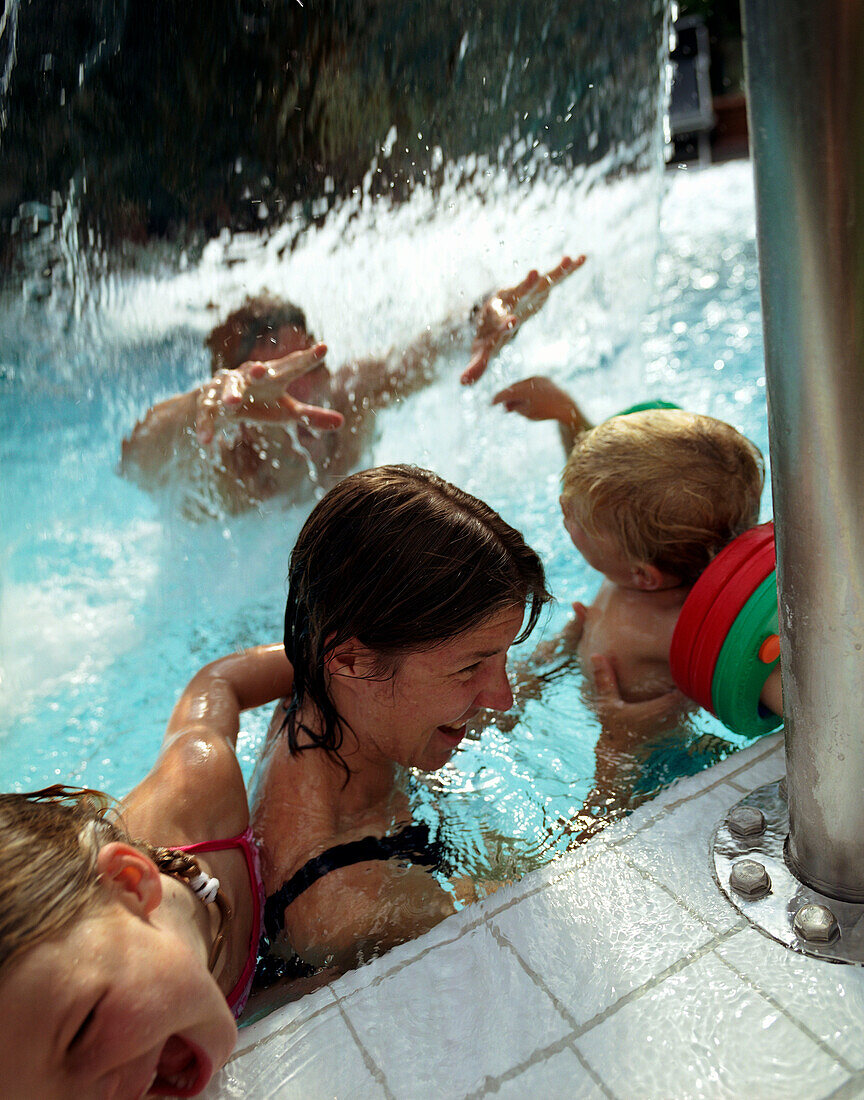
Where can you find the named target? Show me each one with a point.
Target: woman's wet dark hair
(401, 560)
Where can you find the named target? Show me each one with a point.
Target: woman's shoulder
(194, 792)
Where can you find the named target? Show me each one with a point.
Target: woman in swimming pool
(122, 958)
(405, 594)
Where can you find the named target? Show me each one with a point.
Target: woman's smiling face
(417, 716)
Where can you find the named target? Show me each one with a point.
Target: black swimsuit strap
(412, 843)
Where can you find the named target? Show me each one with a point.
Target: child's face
(602, 552)
(283, 341)
(117, 1007)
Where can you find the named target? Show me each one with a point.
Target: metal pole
(805, 62)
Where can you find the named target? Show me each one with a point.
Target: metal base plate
(774, 913)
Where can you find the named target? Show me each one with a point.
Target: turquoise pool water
(110, 599)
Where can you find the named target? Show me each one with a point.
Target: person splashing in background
(259, 427)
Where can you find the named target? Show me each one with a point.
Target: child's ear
(134, 879)
(648, 578)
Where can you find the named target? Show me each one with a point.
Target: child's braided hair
(49, 844)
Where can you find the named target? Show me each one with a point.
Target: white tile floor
(620, 971)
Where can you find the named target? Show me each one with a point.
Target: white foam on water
(67, 627)
(372, 274)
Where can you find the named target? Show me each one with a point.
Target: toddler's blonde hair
(671, 487)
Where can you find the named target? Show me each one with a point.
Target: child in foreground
(128, 939)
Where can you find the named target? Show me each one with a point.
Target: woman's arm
(196, 790)
(358, 912)
(212, 701)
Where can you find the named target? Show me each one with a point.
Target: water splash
(8, 49)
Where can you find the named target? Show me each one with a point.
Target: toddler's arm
(538, 398)
(627, 725)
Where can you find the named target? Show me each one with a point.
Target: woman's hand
(504, 312)
(258, 392)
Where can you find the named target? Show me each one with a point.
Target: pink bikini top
(239, 995)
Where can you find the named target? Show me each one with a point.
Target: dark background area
(172, 118)
(723, 20)
(726, 136)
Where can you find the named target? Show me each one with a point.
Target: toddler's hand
(536, 398)
(631, 722)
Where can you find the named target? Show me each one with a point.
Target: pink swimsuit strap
(245, 842)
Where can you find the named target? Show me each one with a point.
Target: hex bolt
(750, 879)
(815, 924)
(745, 821)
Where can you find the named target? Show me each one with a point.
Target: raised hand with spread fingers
(257, 391)
(501, 315)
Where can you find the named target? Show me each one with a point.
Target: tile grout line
(845, 1091)
(775, 1004)
(562, 1010)
(635, 994)
(491, 1085)
(652, 983)
(583, 1061)
(280, 1031)
(368, 1060)
(588, 858)
(739, 923)
(400, 966)
(578, 1030)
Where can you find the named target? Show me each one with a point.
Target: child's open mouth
(183, 1069)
